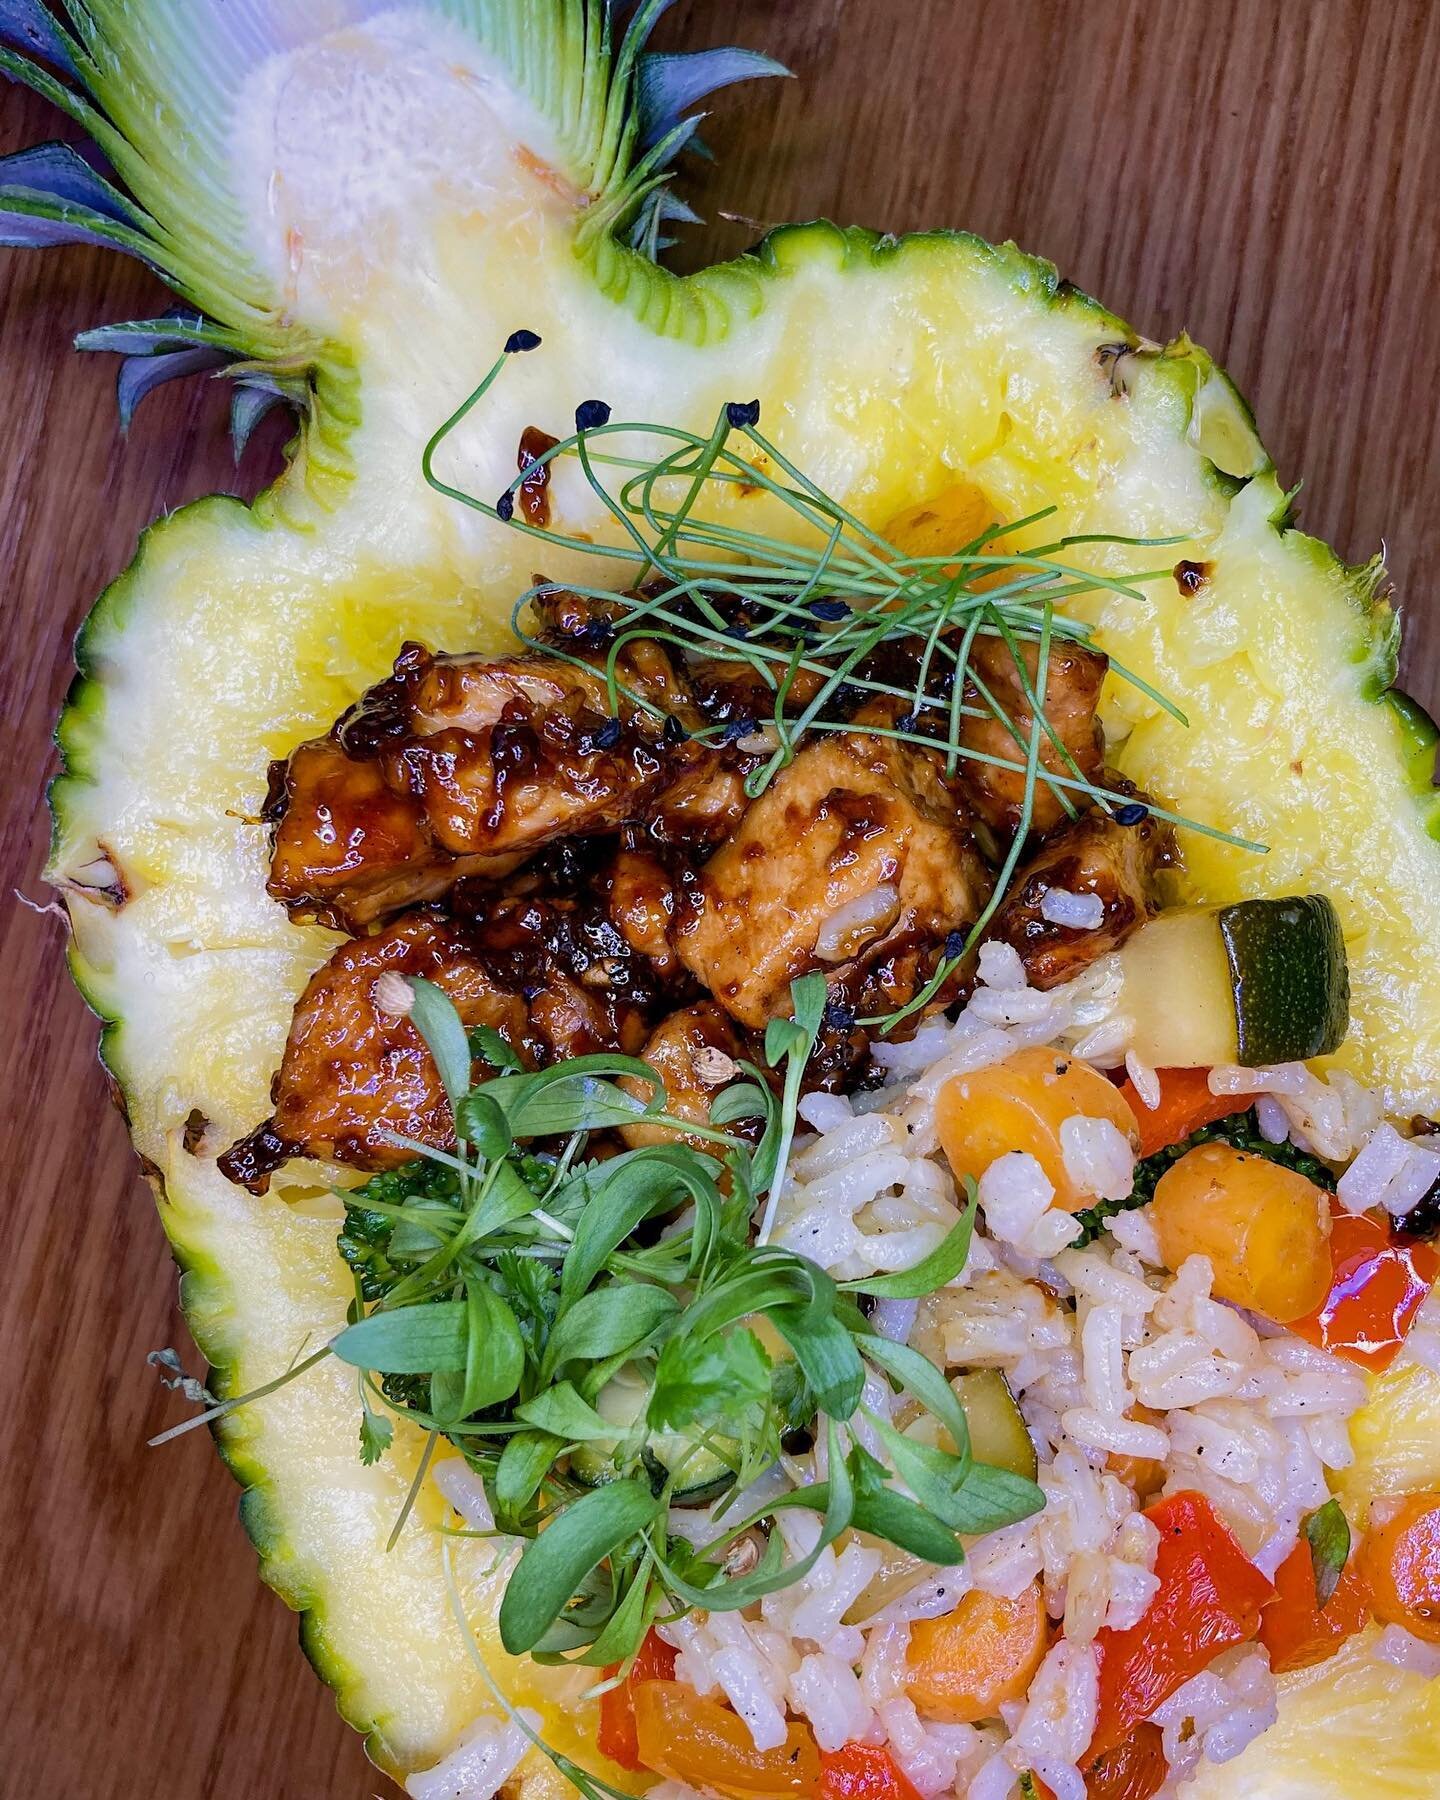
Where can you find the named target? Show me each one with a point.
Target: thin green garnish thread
(689, 562)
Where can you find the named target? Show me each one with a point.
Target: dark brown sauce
(535, 488)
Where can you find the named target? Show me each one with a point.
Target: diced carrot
(1295, 1628)
(1209, 1598)
(1400, 1563)
(691, 1739)
(1020, 1104)
(1134, 1770)
(1264, 1228)
(1186, 1104)
(863, 1772)
(654, 1661)
(1378, 1283)
(960, 1668)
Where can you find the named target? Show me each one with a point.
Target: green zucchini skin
(1290, 977)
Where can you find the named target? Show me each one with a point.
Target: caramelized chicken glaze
(581, 881)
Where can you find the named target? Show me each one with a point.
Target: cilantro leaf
(708, 1381)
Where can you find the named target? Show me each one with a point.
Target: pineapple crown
(150, 88)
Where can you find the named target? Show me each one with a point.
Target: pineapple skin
(887, 368)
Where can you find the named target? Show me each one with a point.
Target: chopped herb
(500, 1293)
(1327, 1531)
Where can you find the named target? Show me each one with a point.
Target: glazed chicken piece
(694, 1053)
(466, 765)
(1072, 692)
(348, 851)
(641, 901)
(857, 850)
(355, 1068)
(539, 960)
(1093, 854)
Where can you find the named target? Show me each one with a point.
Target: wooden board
(1260, 172)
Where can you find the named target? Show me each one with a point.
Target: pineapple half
(357, 204)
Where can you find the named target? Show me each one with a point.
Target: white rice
(1080, 912)
(1109, 1355)
(1244, 1412)
(486, 1756)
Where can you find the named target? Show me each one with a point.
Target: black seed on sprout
(608, 736)
(1134, 812)
(830, 610)
(736, 729)
(673, 731)
(505, 506)
(591, 414)
(954, 946)
(738, 632)
(838, 1016)
(907, 721)
(521, 340)
(595, 634)
(739, 413)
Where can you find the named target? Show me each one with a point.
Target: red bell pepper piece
(863, 1772)
(1186, 1104)
(1294, 1628)
(1379, 1283)
(1134, 1770)
(617, 1737)
(1209, 1598)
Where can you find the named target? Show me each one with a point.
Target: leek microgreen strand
(817, 596)
(821, 602)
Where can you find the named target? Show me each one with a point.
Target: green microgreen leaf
(886, 1514)
(1327, 1531)
(524, 1463)
(553, 1565)
(918, 1376)
(826, 1352)
(413, 1340)
(434, 1016)
(609, 1321)
(377, 1432)
(621, 1634)
(934, 1271)
(487, 1043)
(578, 1095)
(561, 1411)
(708, 1380)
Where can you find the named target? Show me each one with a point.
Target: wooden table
(1258, 171)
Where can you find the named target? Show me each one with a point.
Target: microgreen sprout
(820, 595)
(583, 1331)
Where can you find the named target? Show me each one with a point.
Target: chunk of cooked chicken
(694, 1053)
(1073, 681)
(1091, 855)
(348, 851)
(459, 765)
(540, 959)
(860, 845)
(356, 1070)
(641, 896)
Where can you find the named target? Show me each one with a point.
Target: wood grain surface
(1261, 172)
